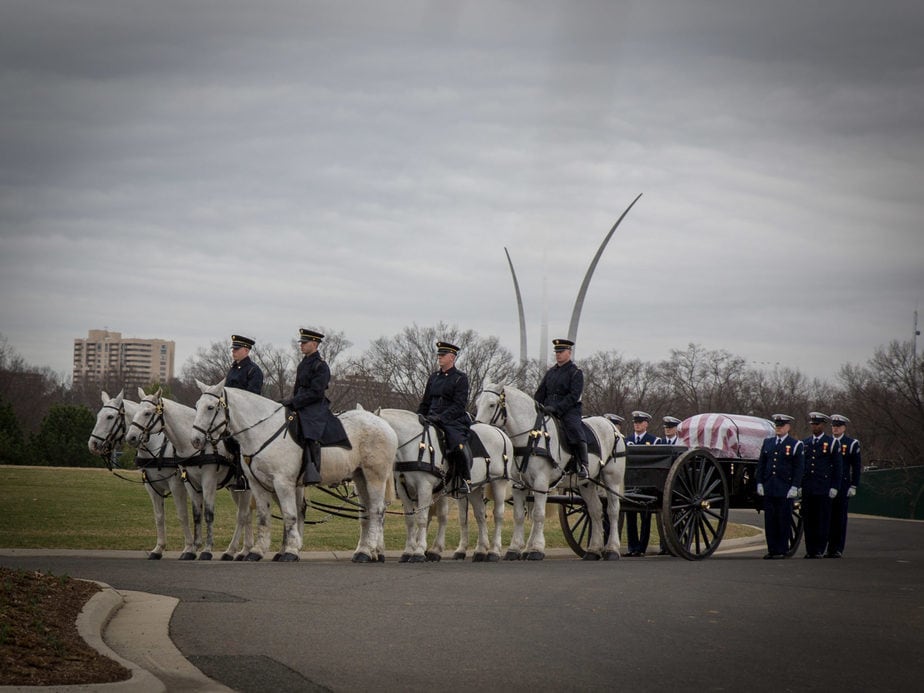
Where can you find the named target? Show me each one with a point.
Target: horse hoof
(277, 557)
(227, 557)
(492, 558)
(288, 557)
(187, 556)
(154, 556)
(458, 556)
(478, 558)
(405, 557)
(433, 556)
(590, 556)
(611, 556)
(205, 556)
(381, 558)
(362, 557)
(254, 557)
(240, 557)
(535, 556)
(417, 558)
(511, 556)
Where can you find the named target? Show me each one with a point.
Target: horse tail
(390, 493)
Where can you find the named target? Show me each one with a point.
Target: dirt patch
(39, 642)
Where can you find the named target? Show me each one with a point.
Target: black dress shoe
(834, 554)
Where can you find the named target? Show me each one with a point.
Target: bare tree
(209, 365)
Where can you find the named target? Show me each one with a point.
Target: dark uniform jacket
(850, 452)
(308, 399)
(444, 402)
(823, 466)
(780, 466)
(560, 393)
(647, 439)
(245, 375)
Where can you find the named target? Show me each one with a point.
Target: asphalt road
(731, 622)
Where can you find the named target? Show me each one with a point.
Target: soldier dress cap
(641, 416)
(615, 418)
(446, 348)
(839, 420)
(309, 335)
(562, 344)
(817, 417)
(782, 419)
(239, 341)
(671, 422)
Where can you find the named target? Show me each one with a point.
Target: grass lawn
(81, 508)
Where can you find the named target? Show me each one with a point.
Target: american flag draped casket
(726, 435)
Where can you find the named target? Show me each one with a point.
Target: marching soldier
(779, 477)
(244, 374)
(850, 480)
(560, 394)
(820, 484)
(638, 524)
(444, 403)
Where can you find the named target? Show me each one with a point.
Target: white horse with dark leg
(274, 464)
(204, 473)
(540, 459)
(421, 479)
(159, 470)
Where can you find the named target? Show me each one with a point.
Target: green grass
(78, 508)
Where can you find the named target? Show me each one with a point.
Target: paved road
(732, 622)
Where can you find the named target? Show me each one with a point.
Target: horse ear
(159, 394)
(141, 393)
(105, 397)
(360, 407)
(121, 394)
(202, 386)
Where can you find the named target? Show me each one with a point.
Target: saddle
(334, 434)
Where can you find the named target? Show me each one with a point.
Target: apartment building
(105, 358)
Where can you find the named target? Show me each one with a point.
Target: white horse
(204, 474)
(273, 465)
(420, 479)
(157, 461)
(539, 466)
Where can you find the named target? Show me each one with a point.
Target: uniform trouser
(777, 519)
(816, 518)
(837, 537)
(638, 533)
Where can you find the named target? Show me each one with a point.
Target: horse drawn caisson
(691, 487)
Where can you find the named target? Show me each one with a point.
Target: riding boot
(311, 463)
(581, 453)
(464, 459)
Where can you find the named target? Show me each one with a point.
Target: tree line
(46, 421)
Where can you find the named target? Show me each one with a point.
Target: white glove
(792, 492)
(760, 489)
(852, 491)
(832, 493)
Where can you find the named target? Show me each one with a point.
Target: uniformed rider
(244, 374)
(779, 478)
(445, 403)
(560, 394)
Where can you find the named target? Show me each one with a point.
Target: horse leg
(243, 527)
(180, 503)
(196, 501)
(519, 522)
(263, 501)
(372, 496)
(409, 518)
(292, 536)
(481, 520)
(499, 491)
(441, 509)
(160, 523)
(595, 513)
(209, 491)
(535, 545)
(462, 548)
(613, 479)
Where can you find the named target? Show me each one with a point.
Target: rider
(560, 393)
(444, 403)
(310, 403)
(245, 375)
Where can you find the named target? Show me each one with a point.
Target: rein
(116, 434)
(148, 428)
(223, 427)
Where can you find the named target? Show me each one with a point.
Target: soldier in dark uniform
(850, 480)
(779, 477)
(616, 420)
(638, 524)
(444, 404)
(560, 394)
(820, 484)
(244, 374)
(309, 401)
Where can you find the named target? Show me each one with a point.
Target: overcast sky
(188, 170)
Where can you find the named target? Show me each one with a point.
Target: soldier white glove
(852, 491)
(832, 493)
(760, 489)
(792, 492)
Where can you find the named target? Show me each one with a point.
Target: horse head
(212, 422)
(491, 404)
(109, 430)
(148, 419)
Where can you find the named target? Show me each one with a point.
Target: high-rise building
(106, 359)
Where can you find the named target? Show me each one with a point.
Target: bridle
(499, 418)
(158, 418)
(214, 433)
(115, 435)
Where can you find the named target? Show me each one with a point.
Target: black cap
(239, 341)
(309, 336)
(446, 348)
(562, 344)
